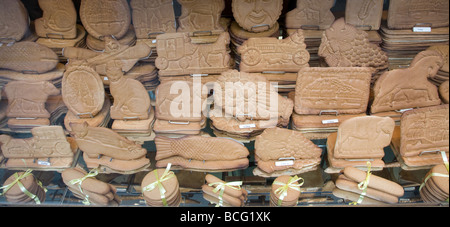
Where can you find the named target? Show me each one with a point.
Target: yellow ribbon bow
(364, 185)
(221, 187)
(5, 188)
(283, 190)
(92, 173)
(158, 183)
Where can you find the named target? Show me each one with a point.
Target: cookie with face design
(257, 15)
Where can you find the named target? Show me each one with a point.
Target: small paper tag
(422, 29)
(44, 163)
(284, 163)
(200, 75)
(154, 41)
(105, 79)
(332, 121)
(247, 126)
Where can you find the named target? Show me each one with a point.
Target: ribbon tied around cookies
(364, 185)
(446, 163)
(92, 173)
(283, 190)
(158, 183)
(221, 187)
(5, 188)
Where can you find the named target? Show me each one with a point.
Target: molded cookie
(409, 88)
(29, 57)
(257, 15)
(105, 17)
(15, 20)
(345, 46)
(404, 14)
(59, 19)
(82, 90)
(200, 15)
(364, 14)
(151, 18)
(363, 137)
(311, 13)
(271, 54)
(341, 90)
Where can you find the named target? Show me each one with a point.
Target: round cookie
(28, 182)
(105, 17)
(292, 195)
(171, 186)
(441, 182)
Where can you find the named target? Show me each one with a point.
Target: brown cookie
(409, 88)
(343, 90)
(105, 17)
(200, 15)
(364, 137)
(365, 15)
(28, 57)
(271, 54)
(257, 15)
(429, 124)
(151, 18)
(311, 14)
(59, 19)
(82, 90)
(345, 46)
(15, 20)
(404, 14)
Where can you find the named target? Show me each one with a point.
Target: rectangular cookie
(343, 90)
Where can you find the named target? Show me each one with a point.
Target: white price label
(247, 126)
(44, 163)
(333, 121)
(422, 29)
(284, 163)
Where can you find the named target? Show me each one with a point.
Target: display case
(88, 85)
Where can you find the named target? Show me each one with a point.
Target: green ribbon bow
(92, 173)
(5, 188)
(364, 185)
(283, 190)
(221, 187)
(158, 183)
(444, 157)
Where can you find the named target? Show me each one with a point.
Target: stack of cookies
(285, 191)
(58, 27)
(404, 34)
(244, 112)
(174, 122)
(86, 187)
(161, 188)
(224, 194)
(423, 124)
(376, 188)
(23, 187)
(279, 150)
(322, 98)
(434, 189)
(358, 140)
(201, 153)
